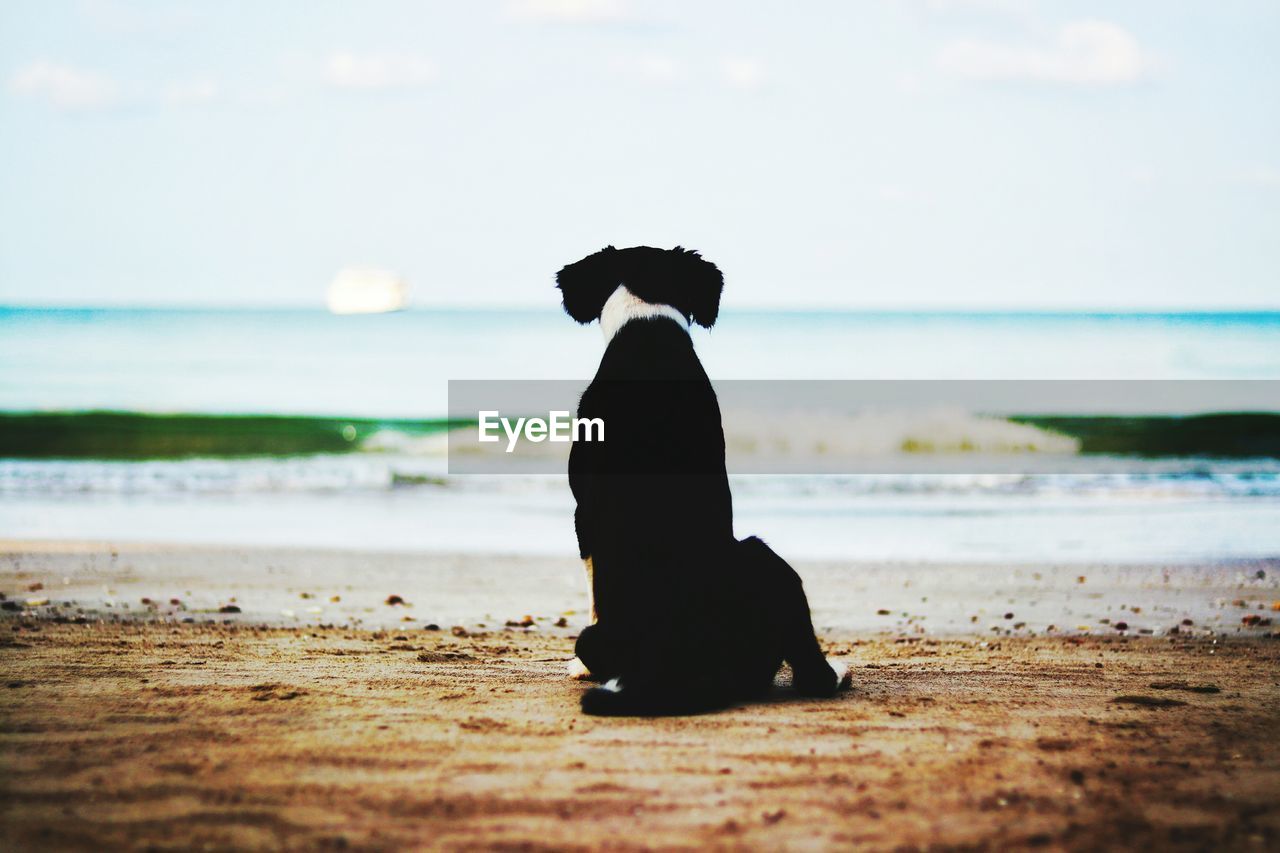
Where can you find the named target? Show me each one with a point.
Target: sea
(301, 428)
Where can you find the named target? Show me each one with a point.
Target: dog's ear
(699, 286)
(587, 284)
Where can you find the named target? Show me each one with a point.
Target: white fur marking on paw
(578, 670)
(613, 685)
(844, 678)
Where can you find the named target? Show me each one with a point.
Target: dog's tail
(615, 698)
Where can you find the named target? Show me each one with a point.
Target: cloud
(661, 69)
(1262, 176)
(64, 86)
(182, 93)
(1143, 175)
(1087, 53)
(151, 20)
(902, 195)
(378, 71)
(650, 68)
(997, 7)
(567, 11)
(742, 73)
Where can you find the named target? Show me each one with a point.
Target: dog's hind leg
(787, 607)
(620, 697)
(599, 654)
(578, 670)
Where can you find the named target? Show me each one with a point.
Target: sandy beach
(967, 309)
(151, 732)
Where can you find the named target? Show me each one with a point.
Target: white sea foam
(351, 474)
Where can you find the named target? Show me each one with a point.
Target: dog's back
(655, 510)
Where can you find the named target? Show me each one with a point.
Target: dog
(685, 617)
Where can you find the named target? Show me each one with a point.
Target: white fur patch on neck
(624, 306)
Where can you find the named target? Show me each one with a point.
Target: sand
(311, 587)
(159, 733)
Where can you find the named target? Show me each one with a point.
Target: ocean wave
(878, 433)
(141, 436)
(408, 443)
(148, 435)
(392, 474)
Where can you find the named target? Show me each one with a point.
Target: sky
(905, 154)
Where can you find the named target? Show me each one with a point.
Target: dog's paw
(577, 670)
(844, 676)
(821, 681)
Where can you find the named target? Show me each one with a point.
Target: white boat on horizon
(367, 291)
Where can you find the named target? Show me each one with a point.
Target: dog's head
(676, 277)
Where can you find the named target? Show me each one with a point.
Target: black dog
(688, 618)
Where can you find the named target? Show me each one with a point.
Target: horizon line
(497, 308)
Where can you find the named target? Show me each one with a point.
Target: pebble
(393, 600)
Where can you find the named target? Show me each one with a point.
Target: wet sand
(309, 587)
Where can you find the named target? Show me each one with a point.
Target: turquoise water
(397, 367)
